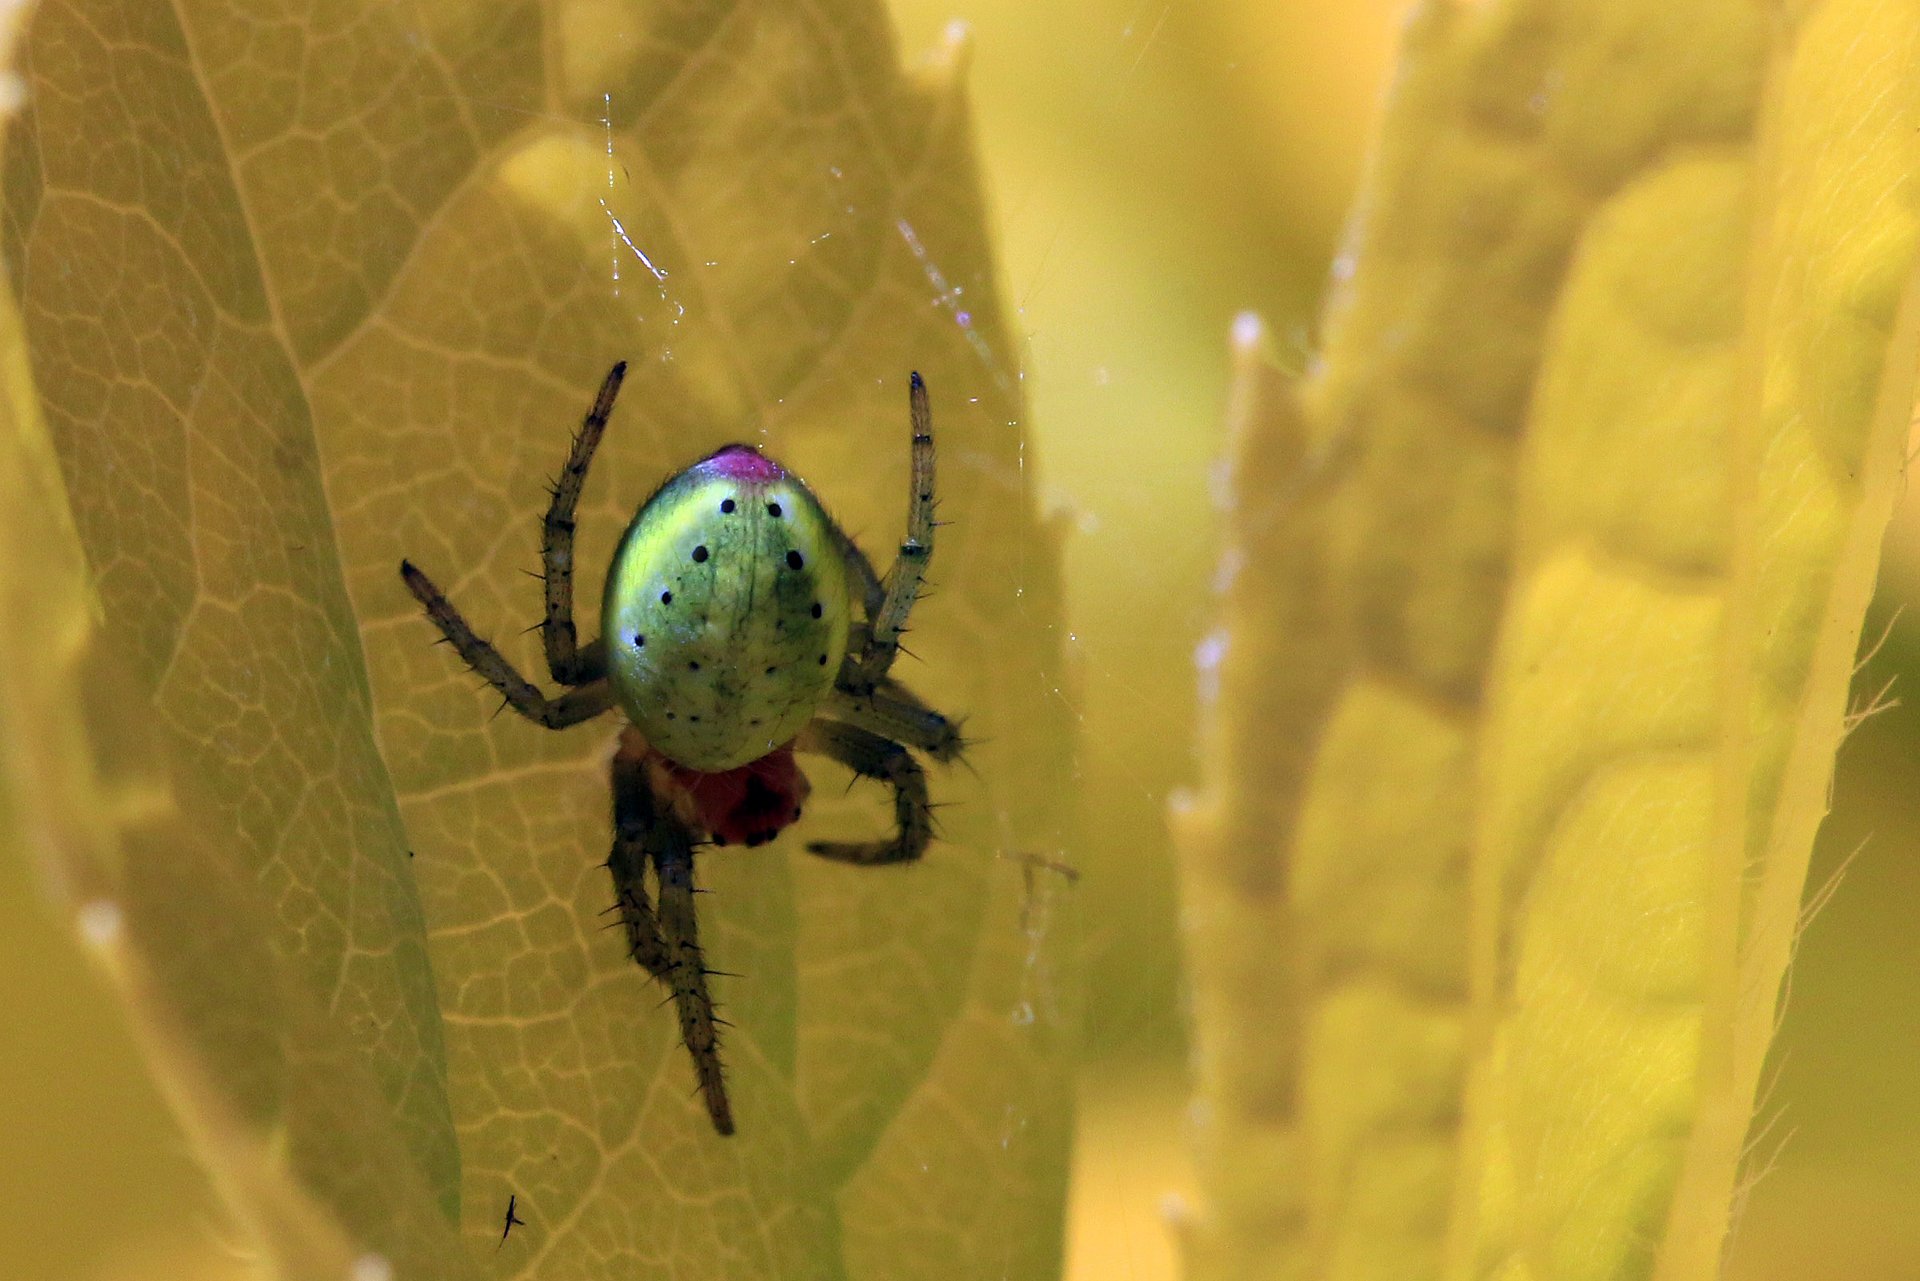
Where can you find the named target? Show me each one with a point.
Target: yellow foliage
(1543, 596)
(305, 292)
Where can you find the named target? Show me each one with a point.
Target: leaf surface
(1548, 586)
(306, 289)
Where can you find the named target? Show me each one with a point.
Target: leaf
(305, 291)
(1547, 586)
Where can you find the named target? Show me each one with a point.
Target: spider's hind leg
(666, 944)
(569, 661)
(687, 972)
(633, 817)
(872, 756)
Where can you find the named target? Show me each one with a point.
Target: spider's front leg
(570, 663)
(521, 695)
(888, 602)
(872, 756)
(666, 945)
(893, 711)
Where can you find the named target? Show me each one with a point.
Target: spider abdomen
(725, 611)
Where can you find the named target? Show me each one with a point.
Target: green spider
(728, 640)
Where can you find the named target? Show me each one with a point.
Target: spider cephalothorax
(729, 642)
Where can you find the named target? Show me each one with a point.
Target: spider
(728, 641)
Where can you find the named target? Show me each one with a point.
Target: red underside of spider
(747, 805)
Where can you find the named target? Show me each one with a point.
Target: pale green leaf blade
(1547, 587)
(402, 269)
(196, 490)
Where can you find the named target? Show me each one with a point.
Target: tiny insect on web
(740, 625)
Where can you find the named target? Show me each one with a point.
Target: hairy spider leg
(902, 584)
(569, 663)
(894, 711)
(634, 816)
(871, 756)
(666, 945)
(687, 971)
(571, 708)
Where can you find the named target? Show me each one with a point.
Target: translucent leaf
(1544, 593)
(308, 289)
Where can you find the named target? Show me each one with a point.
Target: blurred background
(1156, 168)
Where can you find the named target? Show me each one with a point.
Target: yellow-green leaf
(306, 290)
(1546, 588)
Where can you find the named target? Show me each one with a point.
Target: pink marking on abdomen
(744, 462)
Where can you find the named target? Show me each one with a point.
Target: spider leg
(892, 710)
(566, 659)
(888, 618)
(667, 944)
(686, 968)
(633, 819)
(521, 694)
(869, 755)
